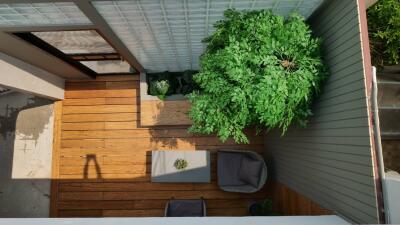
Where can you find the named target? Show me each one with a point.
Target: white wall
(18, 75)
(279, 220)
(26, 136)
(392, 180)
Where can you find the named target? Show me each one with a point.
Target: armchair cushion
(250, 171)
(228, 169)
(241, 171)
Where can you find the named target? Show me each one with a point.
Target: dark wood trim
(95, 56)
(116, 74)
(54, 51)
(55, 168)
(20, 49)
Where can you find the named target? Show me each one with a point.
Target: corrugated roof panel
(38, 14)
(167, 34)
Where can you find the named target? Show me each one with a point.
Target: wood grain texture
(104, 157)
(157, 112)
(55, 170)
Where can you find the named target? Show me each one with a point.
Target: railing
(378, 143)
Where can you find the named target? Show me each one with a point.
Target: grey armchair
(185, 208)
(241, 171)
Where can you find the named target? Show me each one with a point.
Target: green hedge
(384, 32)
(258, 69)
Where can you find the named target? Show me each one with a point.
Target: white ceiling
(166, 34)
(162, 34)
(41, 14)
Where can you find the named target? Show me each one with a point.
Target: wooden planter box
(154, 112)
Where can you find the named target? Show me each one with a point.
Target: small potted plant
(262, 209)
(159, 88)
(180, 164)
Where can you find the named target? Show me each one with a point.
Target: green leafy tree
(384, 32)
(258, 69)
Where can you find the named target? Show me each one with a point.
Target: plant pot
(255, 209)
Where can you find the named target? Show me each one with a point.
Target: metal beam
(22, 50)
(47, 28)
(43, 1)
(101, 25)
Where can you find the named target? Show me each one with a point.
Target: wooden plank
(108, 78)
(134, 213)
(94, 143)
(95, 117)
(100, 109)
(121, 125)
(229, 203)
(104, 177)
(101, 151)
(85, 205)
(228, 212)
(133, 134)
(165, 142)
(92, 169)
(125, 186)
(156, 112)
(82, 126)
(122, 101)
(123, 134)
(80, 213)
(126, 93)
(68, 196)
(85, 85)
(100, 101)
(119, 85)
(125, 159)
(147, 195)
(55, 169)
(85, 101)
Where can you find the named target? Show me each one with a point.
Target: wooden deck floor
(101, 162)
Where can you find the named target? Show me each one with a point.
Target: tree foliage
(258, 69)
(384, 32)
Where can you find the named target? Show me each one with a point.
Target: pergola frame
(98, 23)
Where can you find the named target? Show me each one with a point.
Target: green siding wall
(330, 161)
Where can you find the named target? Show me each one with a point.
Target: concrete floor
(26, 136)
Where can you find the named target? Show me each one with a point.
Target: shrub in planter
(187, 83)
(258, 69)
(384, 32)
(164, 76)
(159, 88)
(179, 82)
